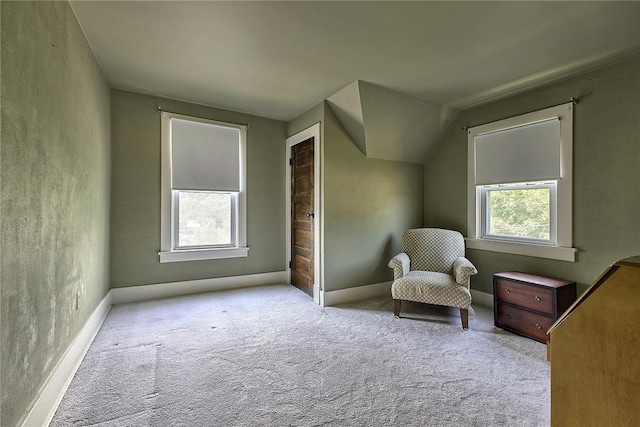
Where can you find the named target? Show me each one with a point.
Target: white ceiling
(394, 72)
(278, 59)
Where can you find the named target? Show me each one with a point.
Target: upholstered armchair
(432, 270)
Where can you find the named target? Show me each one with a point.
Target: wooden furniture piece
(593, 349)
(528, 304)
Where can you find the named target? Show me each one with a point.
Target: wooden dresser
(528, 304)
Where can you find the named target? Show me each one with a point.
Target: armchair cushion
(463, 270)
(400, 264)
(431, 288)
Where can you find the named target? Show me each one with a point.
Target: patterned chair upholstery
(433, 270)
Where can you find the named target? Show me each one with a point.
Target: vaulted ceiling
(386, 124)
(278, 59)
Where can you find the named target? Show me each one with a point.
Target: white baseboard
(342, 296)
(482, 298)
(52, 392)
(175, 289)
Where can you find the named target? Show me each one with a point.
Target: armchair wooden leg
(396, 307)
(464, 316)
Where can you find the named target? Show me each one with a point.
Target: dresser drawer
(523, 322)
(534, 297)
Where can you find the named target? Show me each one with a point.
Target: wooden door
(302, 216)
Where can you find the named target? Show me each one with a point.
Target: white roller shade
(521, 154)
(204, 156)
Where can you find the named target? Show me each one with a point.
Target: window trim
(168, 253)
(562, 250)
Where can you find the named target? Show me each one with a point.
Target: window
(520, 185)
(521, 212)
(204, 219)
(203, 189)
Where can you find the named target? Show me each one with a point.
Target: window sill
(202, 254)
(550, 252)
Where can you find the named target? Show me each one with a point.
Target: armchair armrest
(463, 270)
(400, 264)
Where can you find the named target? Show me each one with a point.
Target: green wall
(55, 134)
(135, 194)
(367, 205)
(307, 119)
(606, 220)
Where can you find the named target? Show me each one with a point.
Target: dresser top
(533, 279)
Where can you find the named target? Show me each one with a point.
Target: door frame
(310, 132)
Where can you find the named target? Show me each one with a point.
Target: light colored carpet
(268, 356)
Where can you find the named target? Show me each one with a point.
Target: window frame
(486, 212)
(175, 194)
(562, 248)
(169, 252)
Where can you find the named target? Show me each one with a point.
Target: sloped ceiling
(386, 124)
(277, 59)
(347, 106)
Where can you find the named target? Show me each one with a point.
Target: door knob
(311, 215)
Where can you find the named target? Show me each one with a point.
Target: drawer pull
(509, 316)
(508, 291)
(538, 298)
(538, 326)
